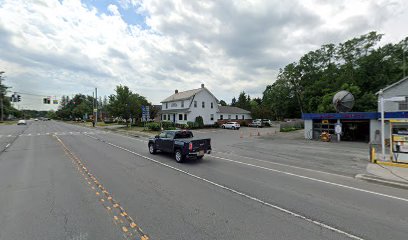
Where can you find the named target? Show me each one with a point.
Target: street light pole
(382, 124)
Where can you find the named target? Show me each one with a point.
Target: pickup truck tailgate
(201, 144)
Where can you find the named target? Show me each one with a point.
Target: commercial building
(361, 126)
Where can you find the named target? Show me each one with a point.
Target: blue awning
(353, 115)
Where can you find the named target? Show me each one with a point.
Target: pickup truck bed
(182, 147)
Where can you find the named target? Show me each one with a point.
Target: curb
(392, 164)
(373, 178)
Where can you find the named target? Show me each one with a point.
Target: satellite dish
(343, 101)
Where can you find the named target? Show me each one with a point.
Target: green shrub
(244, 124)
(200, 122)
(153, 126)
(289, 129)
(192, 125)
(168, 126)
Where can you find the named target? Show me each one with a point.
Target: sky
(54, 48)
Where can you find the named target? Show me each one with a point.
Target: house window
(164, 117)
(212, 117)
(212, 105)
(243, 117)
(236, 117)
(203, 104)
(403, 106)
(182, 104)
(221, 117)
(185, 117)
(173, 105)
(181, 117)
(195, 104)
(229, 117)
(167, 105)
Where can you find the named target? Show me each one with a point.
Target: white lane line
(38, 134)
(313, 179)
(29, 134)
(8, 144)
(285, 165)
(297, 215)
(9, 135)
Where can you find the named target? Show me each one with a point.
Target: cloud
(64, 47)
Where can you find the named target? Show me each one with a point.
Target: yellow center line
(124, 221)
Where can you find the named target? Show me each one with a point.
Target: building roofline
(393, 85)
(199, 90)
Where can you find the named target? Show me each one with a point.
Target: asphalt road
(59, 181)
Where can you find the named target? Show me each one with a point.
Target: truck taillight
(190, 146)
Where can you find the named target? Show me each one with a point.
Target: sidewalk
(390, 175)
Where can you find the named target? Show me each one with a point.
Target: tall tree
(125, 104)
(233, 101)
(223, 103)
(358, 65)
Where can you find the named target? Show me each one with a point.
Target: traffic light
(18, 98)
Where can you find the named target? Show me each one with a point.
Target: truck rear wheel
(178, 156)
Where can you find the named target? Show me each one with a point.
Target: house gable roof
(186, 95)
(393, 85)
(232, 110)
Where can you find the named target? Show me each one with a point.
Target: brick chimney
(202, 85)
(176, 91)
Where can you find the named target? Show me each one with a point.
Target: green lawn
(8, 123)
(132, 129)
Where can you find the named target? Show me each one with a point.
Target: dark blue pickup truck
(181, 143)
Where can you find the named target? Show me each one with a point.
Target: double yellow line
(120, 217)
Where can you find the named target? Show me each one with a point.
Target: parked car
(267, 122)
(21, 122)
(231, 125)
(256, 123)
(35, 119)
(181, 143)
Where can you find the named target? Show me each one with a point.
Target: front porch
(179, 116)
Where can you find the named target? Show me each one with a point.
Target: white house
(183, 107)
(233, 113)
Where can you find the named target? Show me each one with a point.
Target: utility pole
(403, 60)
(96, 106)
(1, 101)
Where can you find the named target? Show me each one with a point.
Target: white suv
(231, 125)
(256, 123)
